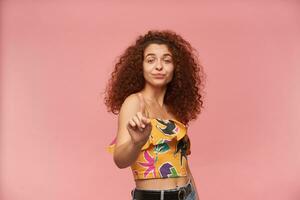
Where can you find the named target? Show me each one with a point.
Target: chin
(157, 84)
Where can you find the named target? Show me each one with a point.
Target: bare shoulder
(130, 103)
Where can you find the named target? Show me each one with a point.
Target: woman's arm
(132, 134)
(126, 152)
(193, 182)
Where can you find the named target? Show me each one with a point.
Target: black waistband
(178, 194)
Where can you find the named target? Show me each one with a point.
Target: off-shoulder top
(165, 152)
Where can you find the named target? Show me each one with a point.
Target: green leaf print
(173, 172)
(161, 148)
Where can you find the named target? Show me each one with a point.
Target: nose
(159, 65)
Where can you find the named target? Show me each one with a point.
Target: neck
(154, 94)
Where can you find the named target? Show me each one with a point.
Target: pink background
(56, 57)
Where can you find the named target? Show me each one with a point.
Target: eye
(150, 60)
(168, 61)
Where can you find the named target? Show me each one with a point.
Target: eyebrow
(152, 54)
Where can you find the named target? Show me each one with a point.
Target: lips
(158, 75)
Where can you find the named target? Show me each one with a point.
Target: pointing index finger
(142, 108)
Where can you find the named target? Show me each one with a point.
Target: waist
(178, 192)
(161, 183)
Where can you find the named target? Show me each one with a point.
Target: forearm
(126, 154)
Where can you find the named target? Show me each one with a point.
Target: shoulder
(129, 107)
(130, 103)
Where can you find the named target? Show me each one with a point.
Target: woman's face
(158, 65)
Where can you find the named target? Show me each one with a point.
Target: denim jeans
(191, 196)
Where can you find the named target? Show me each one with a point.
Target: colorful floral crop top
(165, 153)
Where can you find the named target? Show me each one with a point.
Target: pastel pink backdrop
(56, 57)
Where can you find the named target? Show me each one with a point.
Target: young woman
(155, 89)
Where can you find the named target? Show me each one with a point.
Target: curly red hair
(184, 94)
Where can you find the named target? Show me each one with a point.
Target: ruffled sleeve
(111, 147)
(163, 130)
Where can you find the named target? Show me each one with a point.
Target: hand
(139, 126)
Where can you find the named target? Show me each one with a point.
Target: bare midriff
(161, 183)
